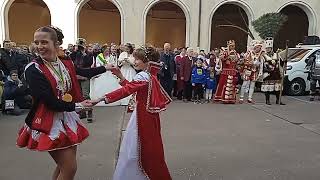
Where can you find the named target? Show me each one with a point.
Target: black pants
(313, 86)
(167, 84)
(179, 94)
(187, 90)
(198, 91)
(175, 90)
(267, 94)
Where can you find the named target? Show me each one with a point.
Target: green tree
(268, 25)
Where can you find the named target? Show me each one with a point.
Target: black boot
(311, 98)
(89, 120)
(281, 103)
(278, 98)
(82, 115)
(267, 94)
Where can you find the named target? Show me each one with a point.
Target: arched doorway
(295, 29)
(229, 14)
(166, 22)
(26, 16)
(100, 22)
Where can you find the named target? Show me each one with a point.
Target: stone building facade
(195, 23)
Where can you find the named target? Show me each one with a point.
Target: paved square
(202, 142)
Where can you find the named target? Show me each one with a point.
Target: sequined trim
(155, 109)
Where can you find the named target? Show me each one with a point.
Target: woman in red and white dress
(141, 154)
(226, 89)
(52, 124)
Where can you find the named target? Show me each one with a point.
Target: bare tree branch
(237, 27)
(244, 20)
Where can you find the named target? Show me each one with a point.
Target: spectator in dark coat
(185, 70)
(2, 80)
(7, 62)
(168, 69)
(16, 91)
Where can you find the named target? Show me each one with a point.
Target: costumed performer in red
(226, 89)
(52, 124)
(141, 153)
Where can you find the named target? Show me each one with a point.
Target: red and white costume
(226, 89)
(52, 124)
(252, 70)
(141, 153)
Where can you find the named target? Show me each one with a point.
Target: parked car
(295, 79)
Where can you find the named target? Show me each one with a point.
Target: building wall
(65, 15)
(101, 27)
(157, 32)
(255, 9)
(26, 22)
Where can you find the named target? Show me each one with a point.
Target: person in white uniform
(126, 61)
(105, 82)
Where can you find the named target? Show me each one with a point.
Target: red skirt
(67, 130)
(226, 89)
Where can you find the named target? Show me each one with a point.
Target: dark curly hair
(146, 54)
(129, 45)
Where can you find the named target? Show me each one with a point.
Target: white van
(295, 80)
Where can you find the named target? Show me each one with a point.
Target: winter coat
(7, 61)
(199, 75)
(211, 82)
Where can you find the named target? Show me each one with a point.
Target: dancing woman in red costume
(141, 153)
(52, 124)
(226, 89)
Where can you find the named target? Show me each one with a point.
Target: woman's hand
(83, 106)
(116, 71)
(109, 67)
(96, 101)
(86, 104)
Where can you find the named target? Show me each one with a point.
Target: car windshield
(295, 55)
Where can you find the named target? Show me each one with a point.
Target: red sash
(43, 118)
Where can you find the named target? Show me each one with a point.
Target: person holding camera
(16, 95)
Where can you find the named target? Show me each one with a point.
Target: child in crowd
(198, 80)
(210, 83)
(212, 67)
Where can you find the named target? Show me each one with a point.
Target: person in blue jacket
(210, 83)
(198, 80)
